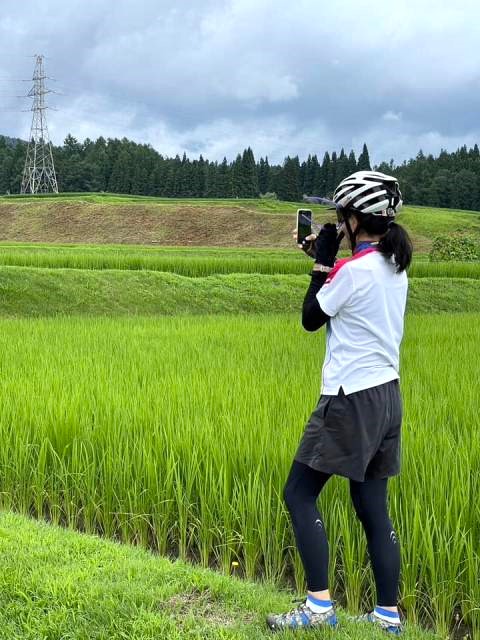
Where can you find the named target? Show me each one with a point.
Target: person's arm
(325, 249)
(312, 315)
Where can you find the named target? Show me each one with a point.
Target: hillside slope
(90, 218)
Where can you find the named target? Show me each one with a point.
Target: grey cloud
(214, 76)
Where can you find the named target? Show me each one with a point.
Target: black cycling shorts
(355, 435)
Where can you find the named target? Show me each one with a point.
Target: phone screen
(304, 224)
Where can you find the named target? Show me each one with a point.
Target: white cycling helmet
(369, 192)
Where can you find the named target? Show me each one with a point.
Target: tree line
(123, 166)
(450, 180)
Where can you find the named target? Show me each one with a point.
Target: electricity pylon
(39, 171)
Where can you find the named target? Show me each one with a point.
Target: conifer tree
(211, 169)
(248, 179)
(236, 177)
(16, 167)
(224, 186)
(156, 180)
(177, 186)
(200, 178)
(120, 179)
(322, 177)
(364, 160)
(264, 176)
(289, 187)
(342, 168)
(185, 182)
(275, 179)
(332, 175)
(5, 166)
(352, 162)
(312, 167)
(169, 183)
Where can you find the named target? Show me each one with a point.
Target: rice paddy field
(156, 395)
(177, 434)
(203, 261)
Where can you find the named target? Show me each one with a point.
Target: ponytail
(396, 242)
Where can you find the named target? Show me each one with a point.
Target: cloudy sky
(283, 76)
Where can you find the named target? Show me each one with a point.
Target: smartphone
(304, 224)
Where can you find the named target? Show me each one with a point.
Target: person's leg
(370, 502)
(300, 494)
(301, 491)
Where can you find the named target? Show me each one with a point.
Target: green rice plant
(196, 262)
(187, 262)
(178, 433)
(352, 552)
(471, 605)
(421, 269)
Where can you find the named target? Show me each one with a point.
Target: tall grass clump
(178, 434)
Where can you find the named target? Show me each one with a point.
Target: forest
(123, 166)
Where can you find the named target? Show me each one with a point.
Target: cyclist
(354, 430)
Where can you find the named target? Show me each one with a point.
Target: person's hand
(327, 244)
(308, 245)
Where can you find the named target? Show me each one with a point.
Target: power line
(39, 171)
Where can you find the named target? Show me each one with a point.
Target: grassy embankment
(108, 218)
(57, 583)
(26, 291)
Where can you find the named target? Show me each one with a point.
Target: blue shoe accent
(320, 603)
(395, 629)
(394, 617)
(305, 619)
(332, 620)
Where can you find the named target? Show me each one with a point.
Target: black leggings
(369, 498)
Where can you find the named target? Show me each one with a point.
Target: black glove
(326, 245)
(308, 246)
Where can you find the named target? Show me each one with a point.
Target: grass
(442, 216)
(178, 433)
(56, 583)
(430, 221)
(187, 261)
(27, 291)
(262, 204)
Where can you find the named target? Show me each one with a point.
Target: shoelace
(301, 605)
